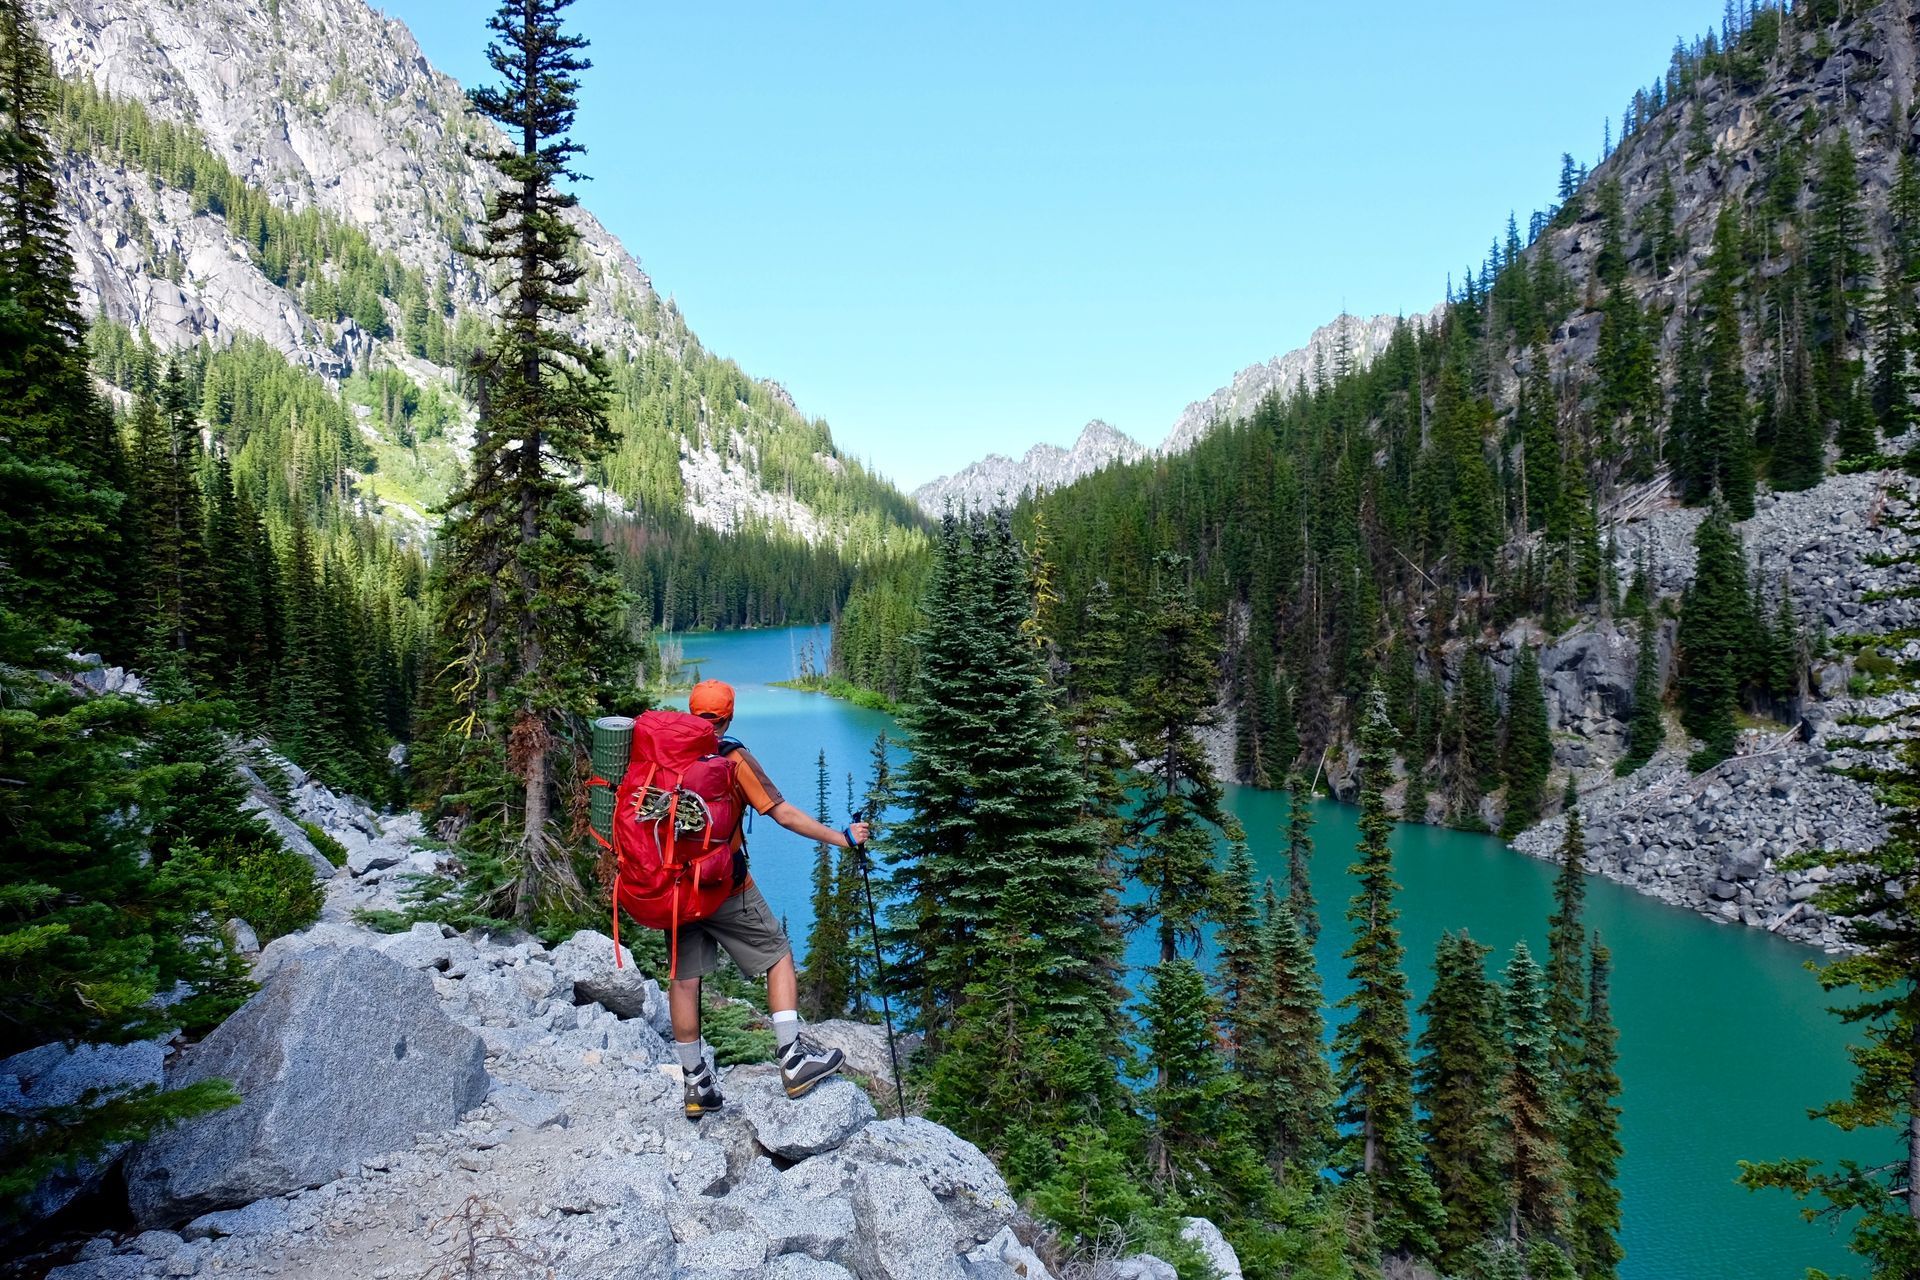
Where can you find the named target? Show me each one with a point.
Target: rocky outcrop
(1844, 552)
(574, 1159)
(997, 480)
(58, 1075)
(301, 1055)
(1213, 1246)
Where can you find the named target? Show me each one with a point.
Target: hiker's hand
(856, 834)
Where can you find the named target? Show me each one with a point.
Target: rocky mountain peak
(1348, 338)
(997, 479)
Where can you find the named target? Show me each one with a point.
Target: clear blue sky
(951, 229)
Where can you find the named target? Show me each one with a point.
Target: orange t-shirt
(753, 781)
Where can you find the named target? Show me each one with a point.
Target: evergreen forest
(418, 565)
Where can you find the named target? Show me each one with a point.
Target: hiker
(749, 931)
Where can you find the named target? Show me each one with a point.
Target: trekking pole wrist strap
(846, 833)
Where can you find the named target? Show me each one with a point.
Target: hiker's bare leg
(783, 988)
(683, 1003)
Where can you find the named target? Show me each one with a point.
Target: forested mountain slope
(296, 172)
(1722, 307)
(1344, 344)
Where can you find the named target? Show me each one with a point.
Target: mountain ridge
(1046, 466)
(333, 113)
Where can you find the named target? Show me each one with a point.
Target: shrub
(330, 849)
(270, 888)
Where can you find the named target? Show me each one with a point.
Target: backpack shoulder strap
(730, 745)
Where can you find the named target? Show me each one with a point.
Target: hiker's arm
(800, 822)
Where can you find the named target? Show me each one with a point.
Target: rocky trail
(433, 1104)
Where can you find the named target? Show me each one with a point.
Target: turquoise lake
(1725, 1041)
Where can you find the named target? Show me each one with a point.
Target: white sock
(692, 1055)
(786, 1027)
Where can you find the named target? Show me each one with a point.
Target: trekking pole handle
(858, 816)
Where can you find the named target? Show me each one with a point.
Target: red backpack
(677, 839)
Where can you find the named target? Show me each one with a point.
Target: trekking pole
(880, 970)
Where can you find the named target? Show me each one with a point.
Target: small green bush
(330, 849)
(270, 888)
(728, 1027)
(1872, 662)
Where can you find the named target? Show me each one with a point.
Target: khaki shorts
(746, 926)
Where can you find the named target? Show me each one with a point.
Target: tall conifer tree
(1647, 726)
(1287, 1087)
(1527, 754)
(1459, 1081)
(1009, 937)
(1300, 901)
(1593, 1132)
(59, 449)
(825, 984)
(1530, 1108)
(1375, 1071)
(1171, 834)
(1715, 618)
(1566, 990)
(531, 609)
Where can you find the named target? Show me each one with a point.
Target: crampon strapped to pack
(677, 839)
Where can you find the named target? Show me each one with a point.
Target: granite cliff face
(331, 107)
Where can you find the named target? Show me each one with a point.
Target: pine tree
(1896, 325)
(850, 887)
(1287, 1087)
(1646, 728)
(1714, 617)
(1531, 1110)
(1171, 832)
(931, 925)
(1094, 716)
(1593, 1133)
(1300, 901)
(1375, 1073)
(1527, 755)
(237, 645)
(59, 449)
(825, 984)
(1725, 445)
(1785, 660)
(1566, 995)
(1022, 1031)
(1476, 719)
(1459, 1078)
(531, 612)
(1199, 1151)
(176, 569)
(1241, 946)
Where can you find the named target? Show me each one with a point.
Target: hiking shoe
(805, 1064)
(702, 1093)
